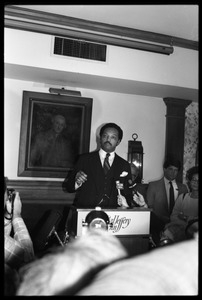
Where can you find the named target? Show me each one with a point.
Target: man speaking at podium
(100, 178)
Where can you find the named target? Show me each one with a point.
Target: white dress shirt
(102, 154)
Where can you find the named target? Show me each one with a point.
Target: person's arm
(18, 249)
(126, 191)
(150, 196)
(75, 178)
(176, 214)
(121, 200)
(22, 236)
(139, 199)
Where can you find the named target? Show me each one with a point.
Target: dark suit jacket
(91, 192)
(157, 198)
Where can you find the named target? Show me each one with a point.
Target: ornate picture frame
(55, 129)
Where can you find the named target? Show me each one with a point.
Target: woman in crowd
(185, 210)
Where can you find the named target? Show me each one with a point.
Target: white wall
(135, 114)
(144, 115)
(33, 49)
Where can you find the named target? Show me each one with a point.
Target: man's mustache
(108, 143)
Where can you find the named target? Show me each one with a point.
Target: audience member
(135, 173)
(11, 280)
(138, 198)
(18, 246)
(97, 264)
(51, 148)
(184, 211)
(96, 186)
(158, 196)
(67, 269)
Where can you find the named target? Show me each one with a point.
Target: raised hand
(139, 199)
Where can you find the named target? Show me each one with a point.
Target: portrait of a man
(55, 130)
(51, 148)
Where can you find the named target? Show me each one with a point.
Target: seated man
(97, 264)
(67, 269)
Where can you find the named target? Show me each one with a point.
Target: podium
(131, 226)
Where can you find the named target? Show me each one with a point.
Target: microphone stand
(53, 231)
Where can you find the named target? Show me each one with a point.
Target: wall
(35, 50)
(135, 114)
(29, 65)
(30, 52)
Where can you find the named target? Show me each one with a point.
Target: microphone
(119, 192)
(132, 186)
(100, 201)
(130, 181)
(104, 201)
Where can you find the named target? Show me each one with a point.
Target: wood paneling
(39, 197)
(41, 191)
(175, 126)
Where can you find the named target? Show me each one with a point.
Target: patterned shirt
(18, 250)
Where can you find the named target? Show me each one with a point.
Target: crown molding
(43, 22)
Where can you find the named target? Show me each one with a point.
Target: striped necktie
(106, 164)
(171, 195)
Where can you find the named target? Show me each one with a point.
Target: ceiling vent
(79, 48)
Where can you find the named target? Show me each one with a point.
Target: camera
(11, 195)
(97, 219)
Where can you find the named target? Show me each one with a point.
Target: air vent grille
(81, 49)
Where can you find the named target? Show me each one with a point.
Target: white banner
(124, 222)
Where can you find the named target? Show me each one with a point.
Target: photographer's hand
(17, 206)
(8, 207)
(122, 201)
(139, 199)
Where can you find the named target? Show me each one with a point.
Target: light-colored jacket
(157, 198)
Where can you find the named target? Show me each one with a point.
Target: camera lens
(11, 194)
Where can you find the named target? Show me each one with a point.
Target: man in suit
(95, 187)
(158, 196)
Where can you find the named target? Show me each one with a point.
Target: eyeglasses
(194, 180)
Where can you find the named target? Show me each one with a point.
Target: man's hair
(171, 161)
(112, 125)
(42, 277)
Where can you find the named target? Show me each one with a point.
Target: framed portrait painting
(55, 130)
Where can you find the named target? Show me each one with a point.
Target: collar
(103, 154)
(175, 186)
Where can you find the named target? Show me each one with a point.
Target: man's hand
(182, 217)
(139, 199)
(80, 178)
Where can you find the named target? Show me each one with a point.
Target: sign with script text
(134, 221)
